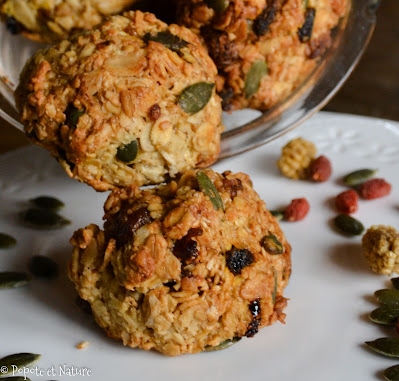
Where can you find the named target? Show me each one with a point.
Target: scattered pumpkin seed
(253, 78)
(72, 115)
(19, 360)
(195, 97)
(392, 373)
(11, 279)
(271, 244)
(167, 39)
(395, 283)
(359, 176)
(348, 224)
(206, 186)
(388, 297)
(47, 202)
(275, 285)
(7, 241)
(387, 346)
(43, 219)
(128, 152)
(224, 345)
(218, 5)
(43, 267)
(277, 214)
(385, 315)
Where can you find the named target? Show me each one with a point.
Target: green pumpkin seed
(218, 5)
(385, 315)
(224, 345)
(47, 202)
(271, 244)
(206, 186)
(395, 283)
(167, 39)
(275, 285)
(18, 378)
(392, 373)
(195, 97)
(72, 115)
(19, 360)
(254, 76)
(348, 225)
(11, 279)
(277, 214)
(387, 346)
(358, 177)
(388, 297)
(43, 267)
(128, 152)
(7, 241)
(43, 219)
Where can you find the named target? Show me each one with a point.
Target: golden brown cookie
(184, 267)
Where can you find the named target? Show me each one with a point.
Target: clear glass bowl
(245, 129)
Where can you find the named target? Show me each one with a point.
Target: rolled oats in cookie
(184, 267)
(53, 20)
(132, 101)
(263, 49)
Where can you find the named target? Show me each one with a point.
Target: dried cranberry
(237, 259)
(305, 32)
(256, 312)
(186, 248)
(263, 21)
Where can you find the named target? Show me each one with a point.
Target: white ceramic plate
(330, 290)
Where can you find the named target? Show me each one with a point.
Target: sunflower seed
(253, 78)
(359, 176)
(224, 345)
(72, 115)
(392, 373)
(207, 187)
(167, 39)
(128, 152)
(7, 241)
(11, 279)
(47, 202)
(271, 244)
(277, 214)
(385, 315)
(348, 225)
(218, 5)
(19, 360)
(387, 346)
(43, 267)
(195, 97)
(388, 297)
(43, 219)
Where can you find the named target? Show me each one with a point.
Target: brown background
(373, 88)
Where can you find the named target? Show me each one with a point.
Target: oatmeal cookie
(185, 266)
(130, 102)
(264, 49)
(54, 20)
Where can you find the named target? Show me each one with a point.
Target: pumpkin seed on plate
(224, 345)
(392, 373)
(7, 241)
(12, 279)
(387, 346)
(167, 39)
(359, 176)
(72, 115)
(271, 244)
(195, 97)
(128, 152)
(47, 202)
(43, 267)
(348, 225)
(254, 77)
(218, 5)
(43, 219)
(19, 360)
(206, 186)
(277, 214)
(385, 315)
(388, 297)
